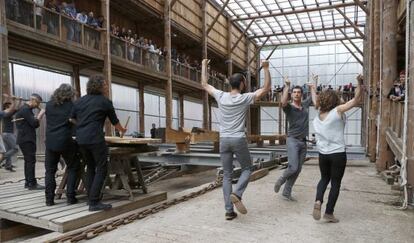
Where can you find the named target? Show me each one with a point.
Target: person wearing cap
(26, 123)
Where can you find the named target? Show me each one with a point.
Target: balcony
(49, 33)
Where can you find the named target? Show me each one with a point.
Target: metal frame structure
(285, 22)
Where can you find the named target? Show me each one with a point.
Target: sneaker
(35, 187)
(317, 210)
(231, 216)
(71, 200)
(10, 169)
(330, 218)
(289, 198)
(99, 207)
(277, 186)
(236, 200)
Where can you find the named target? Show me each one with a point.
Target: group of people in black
(74, 130)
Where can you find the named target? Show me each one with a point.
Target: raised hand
(360, 79)
(265, 64)
(287, 81)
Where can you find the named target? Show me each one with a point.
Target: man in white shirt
(233, 107)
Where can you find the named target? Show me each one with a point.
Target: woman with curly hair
(329, 127)
(59, 143)
(89, 114)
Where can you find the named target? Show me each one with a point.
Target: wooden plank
(389, 72)
(130, 140)
(207, 136)
(394, 143)
(23, 197)
(75, 221)
(174, 136)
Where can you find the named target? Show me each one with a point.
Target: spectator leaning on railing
(397, 93)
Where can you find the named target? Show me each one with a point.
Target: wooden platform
(28, 207)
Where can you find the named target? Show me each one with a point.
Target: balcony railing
(132, 52)
(53, 24)
(396, 119)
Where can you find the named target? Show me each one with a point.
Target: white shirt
(329, 133)
(38, 9)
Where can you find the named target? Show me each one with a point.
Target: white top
(233, 112)
(38, 10)
(329, 133)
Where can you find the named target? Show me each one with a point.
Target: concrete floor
(365, 207)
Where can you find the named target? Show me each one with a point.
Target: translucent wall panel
(28, 80)
(331, 61)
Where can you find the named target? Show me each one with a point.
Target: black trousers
(96, 157)
(332, 167)
(72, 161)
(29, 155)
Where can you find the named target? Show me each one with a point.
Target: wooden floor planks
(28, 207)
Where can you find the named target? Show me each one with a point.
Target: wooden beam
(141, 103)
(181, 104)
(4, 53)
(350, 41)
(249, 88)
(91, 65)
(375, 78)
(172, 2)
(167, 43)
(241, 36)
(206, 119)
(352, 53)
(76, 80)
(217, 16)
(304, 31)
(351, 23)
(310, 42)
(362, 6)
(229, 53)
(296, 11)
(257, 52)
(410, 112)
(267, 58)
(106, 53)
(389, 73)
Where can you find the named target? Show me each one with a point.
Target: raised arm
(204, 77)
(355, 101)
(312, 87)
(285, 94)
(267, 83)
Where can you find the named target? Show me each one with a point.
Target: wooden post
(106, 52)
(76, 80)
(181, 103)
(389, 73)
(206, 118)
(248, 88)
(4, 53)
(374, 78)
(167, 43)
(229, 52)
(141, 108)
(410, 122)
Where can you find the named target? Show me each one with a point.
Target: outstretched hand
(287, 80)
(360, 79)
(265, 64)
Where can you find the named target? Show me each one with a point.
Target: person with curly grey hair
(59, 143)
(89, 114)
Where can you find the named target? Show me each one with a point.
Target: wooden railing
(137, 54)
(55, 25)
(65, 29)
(395, 128)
